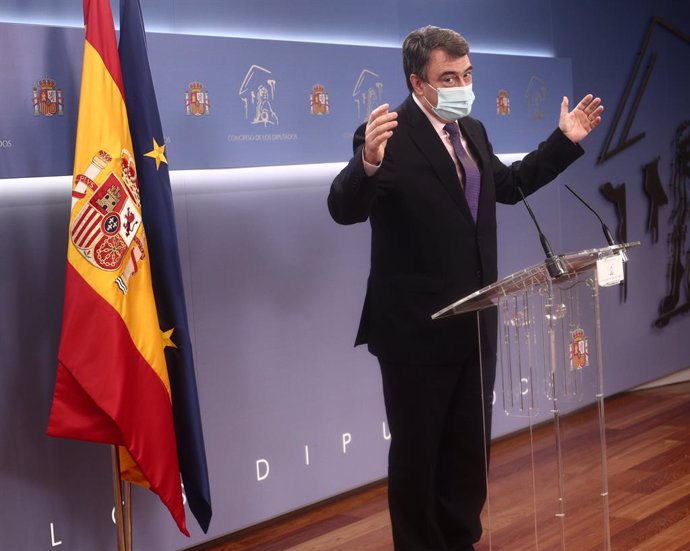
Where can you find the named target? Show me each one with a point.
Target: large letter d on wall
(262, 469)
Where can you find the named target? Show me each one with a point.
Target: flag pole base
(123, 505)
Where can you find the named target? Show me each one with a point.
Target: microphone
(554, 263)
(607, 233)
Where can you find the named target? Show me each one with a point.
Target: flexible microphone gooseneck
(607, 233)
(554, 263)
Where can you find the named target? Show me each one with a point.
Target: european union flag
(159, 220)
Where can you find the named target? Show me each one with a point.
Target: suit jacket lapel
(474, 140)
(429, 143)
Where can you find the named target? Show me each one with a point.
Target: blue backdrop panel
(233, 102)
(38, 63)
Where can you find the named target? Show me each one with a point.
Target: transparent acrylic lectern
(549, 379)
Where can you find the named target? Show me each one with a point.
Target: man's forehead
(441, 62)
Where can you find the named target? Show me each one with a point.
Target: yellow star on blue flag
(158, 153)
(167, 338)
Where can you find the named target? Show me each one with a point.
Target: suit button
(478, 273)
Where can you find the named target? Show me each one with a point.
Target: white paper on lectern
(610, 271)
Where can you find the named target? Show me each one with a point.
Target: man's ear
(417, 85)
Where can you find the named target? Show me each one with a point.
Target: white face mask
(453, 103)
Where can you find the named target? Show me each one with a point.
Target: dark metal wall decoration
(678, 276)
(656, 195)
(623, 142)
(617, 196)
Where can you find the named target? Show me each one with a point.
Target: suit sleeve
(536, 169)
(352, 191)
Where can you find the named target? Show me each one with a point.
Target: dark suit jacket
(426, 251)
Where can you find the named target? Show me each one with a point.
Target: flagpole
(117, 486)
(128, 515)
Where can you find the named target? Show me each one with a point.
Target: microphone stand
(554, 264)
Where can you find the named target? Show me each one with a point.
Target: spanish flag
(112, 382)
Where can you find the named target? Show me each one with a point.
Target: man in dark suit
(426, 177)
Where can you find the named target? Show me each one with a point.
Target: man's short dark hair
(419, 44)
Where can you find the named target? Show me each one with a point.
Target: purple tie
(472, 176)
